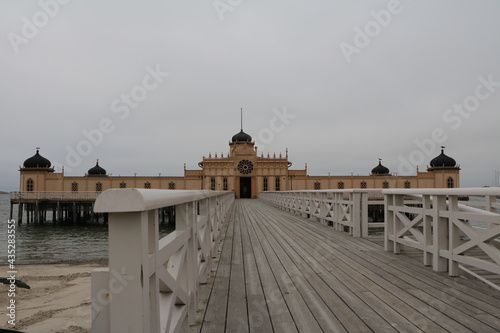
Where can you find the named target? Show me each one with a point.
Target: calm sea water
(54, 243)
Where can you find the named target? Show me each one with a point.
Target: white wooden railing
(60, 195)
(341, 209)
(151, 284)
(448, 232)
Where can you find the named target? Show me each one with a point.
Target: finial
(37, 149)
(242, 119)
(97, 161)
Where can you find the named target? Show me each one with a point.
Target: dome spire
(37, 161)
(442, 161)
(241, 137)
(380, 169)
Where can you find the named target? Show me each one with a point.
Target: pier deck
(279, 272)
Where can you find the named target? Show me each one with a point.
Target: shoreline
(59, 298)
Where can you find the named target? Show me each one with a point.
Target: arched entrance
(245, 187)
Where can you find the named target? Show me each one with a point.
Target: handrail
(151, 284)
(54, 195)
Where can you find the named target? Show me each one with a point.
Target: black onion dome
(443, 161)
(380, 169)
(97, 170)
(37, 161)
(242, 137)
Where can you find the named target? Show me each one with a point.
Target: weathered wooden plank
(258, 313)
(237, 312)
(337, 308)
(279, 313)
(299, 311)
(215, 316)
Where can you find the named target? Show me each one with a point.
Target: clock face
(245, 167)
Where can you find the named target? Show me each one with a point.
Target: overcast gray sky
(156, 84)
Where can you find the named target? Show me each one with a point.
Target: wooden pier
(249, 266)
(280, 272)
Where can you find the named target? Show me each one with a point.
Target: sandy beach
(58, 301)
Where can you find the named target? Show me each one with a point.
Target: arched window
(266, 185)
(363, 185)
(385, 185)
(224, 183)
(171, 186)
(212, 183)
(29, 185)
(278, 187)
(98, 187)
(74, 187)
(407, 184)
(451, 183)
(123, 185)
(317, 186)
(147, 185)
(340, 185)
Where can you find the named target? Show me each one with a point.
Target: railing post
(427, 232)
(389, 222)
(440, 233)
(128, 251)
(364, 214)
(186, 220)
(356, 214)
(323, 211)
(454, 235)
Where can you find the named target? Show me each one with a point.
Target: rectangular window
(225, 184)
(450, 183)
(98, 187)
(171, 186)
(212, 183)
(147, 185)
(266, 187)
(317, 186)
(278, 187)
(74, 187)
(29, 185)
(123, 185)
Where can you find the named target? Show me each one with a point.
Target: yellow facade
(242, 170)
